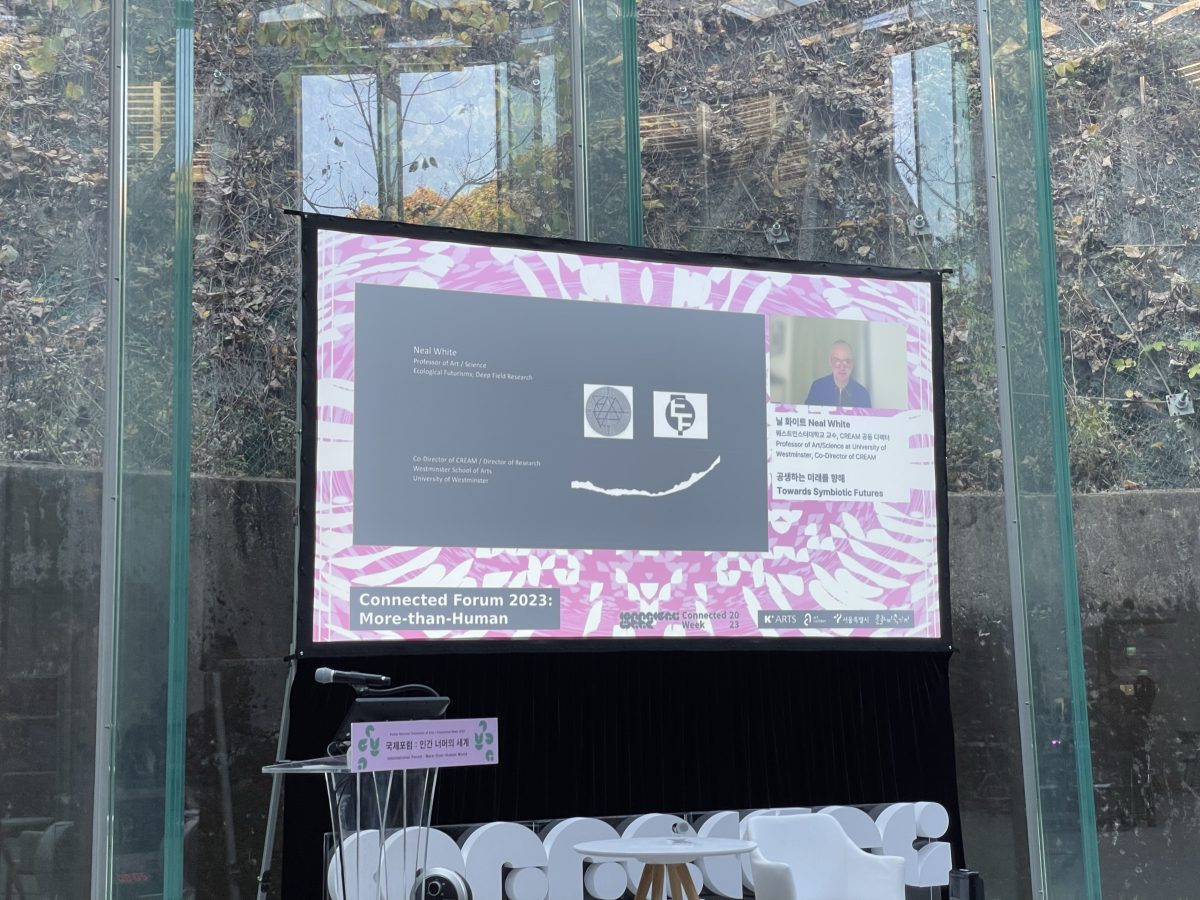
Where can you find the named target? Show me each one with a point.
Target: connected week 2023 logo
(643, 620)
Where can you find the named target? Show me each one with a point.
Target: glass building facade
(151, 153)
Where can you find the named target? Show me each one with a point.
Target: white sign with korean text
(820, 454)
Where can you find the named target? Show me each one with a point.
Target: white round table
(665, 859)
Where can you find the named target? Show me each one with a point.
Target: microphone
(363, 679)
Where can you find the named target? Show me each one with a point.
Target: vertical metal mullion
(181, 419)
(1072, 620)
(633, 138)
(1072, 636)
(1016, 583)
(579, 123)
(110, 525)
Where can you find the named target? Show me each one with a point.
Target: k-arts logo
(608, 411)
(680, 415)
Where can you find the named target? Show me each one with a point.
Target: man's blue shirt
(824, 392)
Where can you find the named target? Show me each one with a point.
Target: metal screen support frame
(285, 723)
(110, 522)
(263, 888)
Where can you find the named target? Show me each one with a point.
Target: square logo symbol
(678, 414)
(608, 411)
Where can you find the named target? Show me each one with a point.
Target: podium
(380, 820)
(380, 826)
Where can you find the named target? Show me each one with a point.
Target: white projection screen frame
(527, 443)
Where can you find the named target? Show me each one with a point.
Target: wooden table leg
(659, 871)
(676, 885)
(643, 891)
(688, 885)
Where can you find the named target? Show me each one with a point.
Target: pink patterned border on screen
(823, 556)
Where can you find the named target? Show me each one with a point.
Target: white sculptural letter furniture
(809, 857)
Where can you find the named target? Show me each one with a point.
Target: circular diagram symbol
(608, 411)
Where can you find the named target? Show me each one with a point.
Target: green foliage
(1127, 242)
(43, 58)
(1092, 441)
(53, 216)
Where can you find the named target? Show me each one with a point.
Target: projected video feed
(519, 444)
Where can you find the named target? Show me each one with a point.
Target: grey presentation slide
(494, 421)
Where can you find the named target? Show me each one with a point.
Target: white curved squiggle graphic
(638, 492)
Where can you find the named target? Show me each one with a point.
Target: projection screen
(525, 442)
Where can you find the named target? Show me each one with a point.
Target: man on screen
(838, 388)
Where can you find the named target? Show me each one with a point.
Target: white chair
(811, 858)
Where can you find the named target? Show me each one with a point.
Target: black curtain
(599, 734)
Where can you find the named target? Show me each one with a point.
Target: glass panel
(1048, 633)
(431, 148)
(433, 111)
(775, 127)
(601, 119)
(53, 246)
(146, 815)
(1122, 100)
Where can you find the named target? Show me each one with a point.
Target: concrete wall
(1138, 587)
